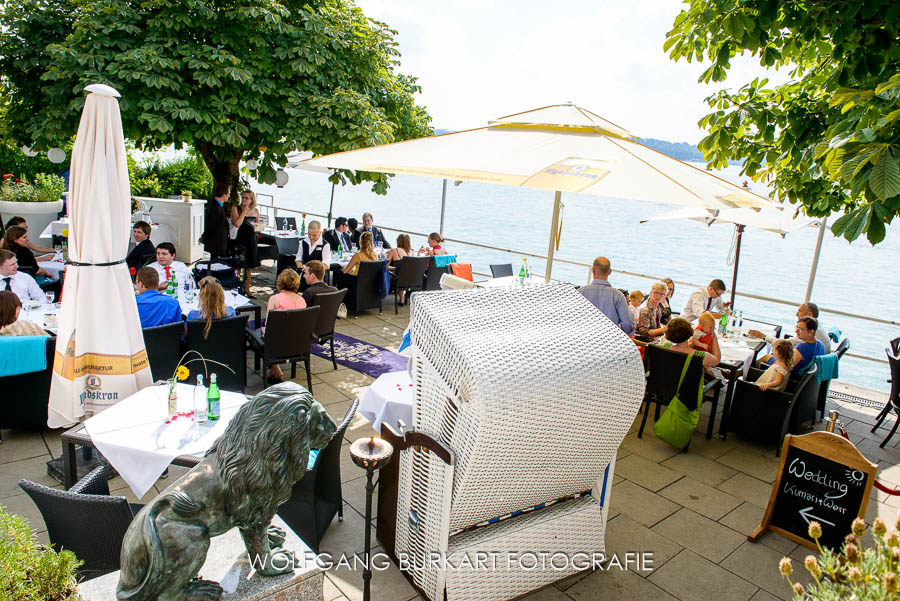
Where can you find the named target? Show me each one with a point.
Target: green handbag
(677, 423)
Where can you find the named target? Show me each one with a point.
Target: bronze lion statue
(247, 473)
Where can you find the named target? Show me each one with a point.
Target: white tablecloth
(388, 399)
(508, 281)
(54, 267)
(739, 349)
(136, 440)
(46, 316)
(191, 302)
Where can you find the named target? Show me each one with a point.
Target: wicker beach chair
(531, 414)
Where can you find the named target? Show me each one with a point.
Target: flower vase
(172, 407)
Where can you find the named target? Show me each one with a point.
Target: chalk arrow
(807, 516)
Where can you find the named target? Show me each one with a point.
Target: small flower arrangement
(45, 188)
(181, 374)
(853, 573)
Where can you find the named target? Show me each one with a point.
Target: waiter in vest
(312, 248)
(705, 300)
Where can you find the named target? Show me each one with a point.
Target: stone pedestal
(227, 563)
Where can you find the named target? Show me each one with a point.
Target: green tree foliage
(829, 138)
(236, 79)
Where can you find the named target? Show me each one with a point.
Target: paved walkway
(692, 511)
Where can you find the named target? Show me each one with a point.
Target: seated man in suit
(367, 226)
(338, 236)
(313, 273)
(166, 265)
(144, 250)
(155, 309)
(19, 282)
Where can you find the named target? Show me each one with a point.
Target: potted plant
(30, 571)
(186, 195)
(38, 202)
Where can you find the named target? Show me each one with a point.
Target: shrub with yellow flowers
(853, 573)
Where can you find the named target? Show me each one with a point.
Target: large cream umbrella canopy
(562, 148)
(100, 357)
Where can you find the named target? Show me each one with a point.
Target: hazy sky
(481, 59)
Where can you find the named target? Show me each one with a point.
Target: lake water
(857, 277)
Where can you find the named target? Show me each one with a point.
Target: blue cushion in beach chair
(22, 354)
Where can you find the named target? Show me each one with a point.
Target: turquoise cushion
(313, 455)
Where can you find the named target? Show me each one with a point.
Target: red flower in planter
(7, 175)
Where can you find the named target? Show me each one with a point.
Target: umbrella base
(85, 461)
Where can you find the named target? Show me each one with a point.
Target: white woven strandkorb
(533, 389)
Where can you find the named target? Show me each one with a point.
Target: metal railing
(520, 253)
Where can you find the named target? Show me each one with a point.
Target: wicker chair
(24, 400)
(824, 385)
(225, 344)
(766, 415)
(502, 270)
(664, 367)
(163, 344)
(895, 345)
(288, 338)
(317, 497)
(410, 276)
(531, 417)
(433, 276)
(893, 403)
(328, 303)
(85, 520)
(364, 289)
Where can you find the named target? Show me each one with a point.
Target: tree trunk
(227, 172)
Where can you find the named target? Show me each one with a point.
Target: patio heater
(370, 454)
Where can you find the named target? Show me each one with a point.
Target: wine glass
(51, 296)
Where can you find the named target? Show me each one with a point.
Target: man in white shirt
(165, 265)
(22, 284)
(705, 300)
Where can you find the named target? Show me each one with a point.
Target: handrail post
(554, 228)
(737, 257)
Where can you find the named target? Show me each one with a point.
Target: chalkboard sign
(824, 478)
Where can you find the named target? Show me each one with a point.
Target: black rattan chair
(433, 276)
(895, 345)
(410, 276)
(893, 403)
(85, 520)
(286, 223)
(364, 289)
(226, 275)
(23, 405)
(766, 416)
(842, 348)
(501, 271)
(224, 344)
(317, 497)
(288, 338)
(328, 303)
(664, 369)
(163, 344)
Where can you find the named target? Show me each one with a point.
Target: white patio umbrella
(100, 357)
(562, 148)
(771, 219)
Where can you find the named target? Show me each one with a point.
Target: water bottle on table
(212, 397)
(200, 401)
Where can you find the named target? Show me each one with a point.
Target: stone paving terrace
(692, 510)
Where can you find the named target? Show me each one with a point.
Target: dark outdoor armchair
(163, 344)
(502, 270)
(824, 385)
(316, 498)
(23, 402)
(85, 520)
(410, 276)
(328, 303)
(768, 415)
(288, 338)
(664, 369)
(364, 289)
(225, 344)
(893, 403)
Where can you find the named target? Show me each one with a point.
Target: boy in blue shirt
(154, 308)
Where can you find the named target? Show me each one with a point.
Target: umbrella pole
(443, 206)
(330, 206)
(554, 229)
(737, 258)
(815, 261)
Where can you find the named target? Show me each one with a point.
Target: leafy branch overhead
(238, 79)
(829, 138)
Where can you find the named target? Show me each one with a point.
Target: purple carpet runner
(361, 356)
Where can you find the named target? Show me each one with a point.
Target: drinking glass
(51, 296)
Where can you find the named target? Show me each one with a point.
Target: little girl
(778, 374)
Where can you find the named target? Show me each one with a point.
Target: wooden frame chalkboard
(822, 477)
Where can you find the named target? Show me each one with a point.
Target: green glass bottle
(212, 398)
